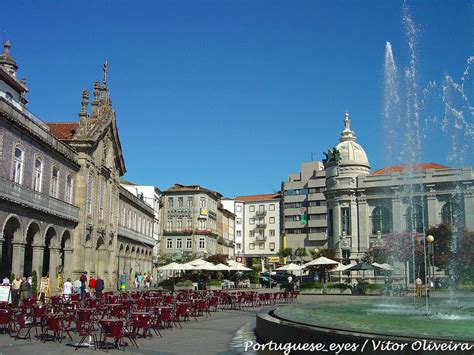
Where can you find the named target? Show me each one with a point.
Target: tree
(217, 259)
(286, 252)
(300, 253)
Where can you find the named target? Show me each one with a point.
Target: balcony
(136, 236)
(260, 213)
(261, 238)
(260, 226)
(24, 196)
(178, 231)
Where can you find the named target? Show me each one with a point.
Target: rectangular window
(190, 202)
(238, 221)
(251, 221)
(252, 246)
(69, 188)
(239, 234)
(202, 243)
(272, 207)
(202, 202)
(90, 190)
(169, 243)
(101, 198)
(252, 208)
(189, 243)
(179, 243)
(180, 202)
(252, 233)
(169, 224)
(261, 246)
(272, 232)
(261, 208)
(271, 246)
(239, 246)
(179, 223)
(346, 220)
(272, 220)
(189, 223)
(238, 208)
(170, 202)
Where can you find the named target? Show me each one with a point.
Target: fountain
(423, 325)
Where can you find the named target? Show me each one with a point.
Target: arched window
(69, 186)
(18, 162)
(55, 183)
(414, 218)
(38, 175)
(452, 214)
(381, 220)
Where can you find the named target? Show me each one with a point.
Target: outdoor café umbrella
(289, 267)
(175, 267)
(239, 267)
(222, 267)
(362, 267)
(341, 268)
(322, 260)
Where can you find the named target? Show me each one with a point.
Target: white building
(363, 206)
(152, 196)
(237, 208)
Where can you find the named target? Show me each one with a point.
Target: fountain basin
(360, 322)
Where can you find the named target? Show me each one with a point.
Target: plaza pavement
(222, 333)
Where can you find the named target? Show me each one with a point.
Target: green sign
(304, 219)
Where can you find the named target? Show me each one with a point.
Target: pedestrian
(92, 283)
(139, 280)
(24, 289)
(30, 281)
(44, 288)
(77, 286)
(419, 287)
(83, 280)
(99, 287)
(16, 291)
(67, 289)
(147, 280)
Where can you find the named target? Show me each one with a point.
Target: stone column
(18, 258)
(363, 223)
(397, 214)
(37, 264)
(53, 269)
(432, 207)
(67, 272)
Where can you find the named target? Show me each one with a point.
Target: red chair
(114, 330)
(141, 322)
(85, 326)
(6, 317)
(21, 321)
(54, 323)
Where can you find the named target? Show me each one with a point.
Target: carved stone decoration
(84, 101)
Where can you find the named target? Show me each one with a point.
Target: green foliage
(34, 286)
(339, 286)
(300, 253)
(214, 283)
(368, 286)
(312, 285)
(184, 283)
(168, 282)
(255, 277)
(12, 277)
(217, 259)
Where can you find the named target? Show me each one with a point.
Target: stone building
(225, 231)
(189, 221)
(60, 188)
(37, 186)
(364, 207)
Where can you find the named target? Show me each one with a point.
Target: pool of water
(446, 320)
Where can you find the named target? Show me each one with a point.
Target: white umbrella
(239, 267)
(387, 267)
(175, 267)
(321, 261)
(341, 268)
(222, 267)
(201, 265)
(290, 267)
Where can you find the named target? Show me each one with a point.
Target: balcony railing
(261, 238)
(260, 226)
(260, 213)
(24, 196)
(134, 235)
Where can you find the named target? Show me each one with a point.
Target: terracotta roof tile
(64, 131)
(262, 197)
(415, 167)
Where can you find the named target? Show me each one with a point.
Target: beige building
(226, 232)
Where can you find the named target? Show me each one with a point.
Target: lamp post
(430, 239)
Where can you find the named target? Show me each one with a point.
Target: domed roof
(351, 152)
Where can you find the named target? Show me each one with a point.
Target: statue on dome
(332, 155)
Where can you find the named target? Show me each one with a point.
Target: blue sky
(233, 95)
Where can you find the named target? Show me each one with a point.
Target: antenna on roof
(312, 156)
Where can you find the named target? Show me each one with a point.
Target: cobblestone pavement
(222, 333)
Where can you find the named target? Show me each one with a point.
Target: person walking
(30, 281)
(92, 283)
(419, 287)
(99, 286)
(16, 291)
(83, 280)
(67, 289)
(24, 289)
(139, 280)
(77, 287)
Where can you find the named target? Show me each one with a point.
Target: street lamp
(430, 239)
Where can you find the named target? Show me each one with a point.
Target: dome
(351, 152)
